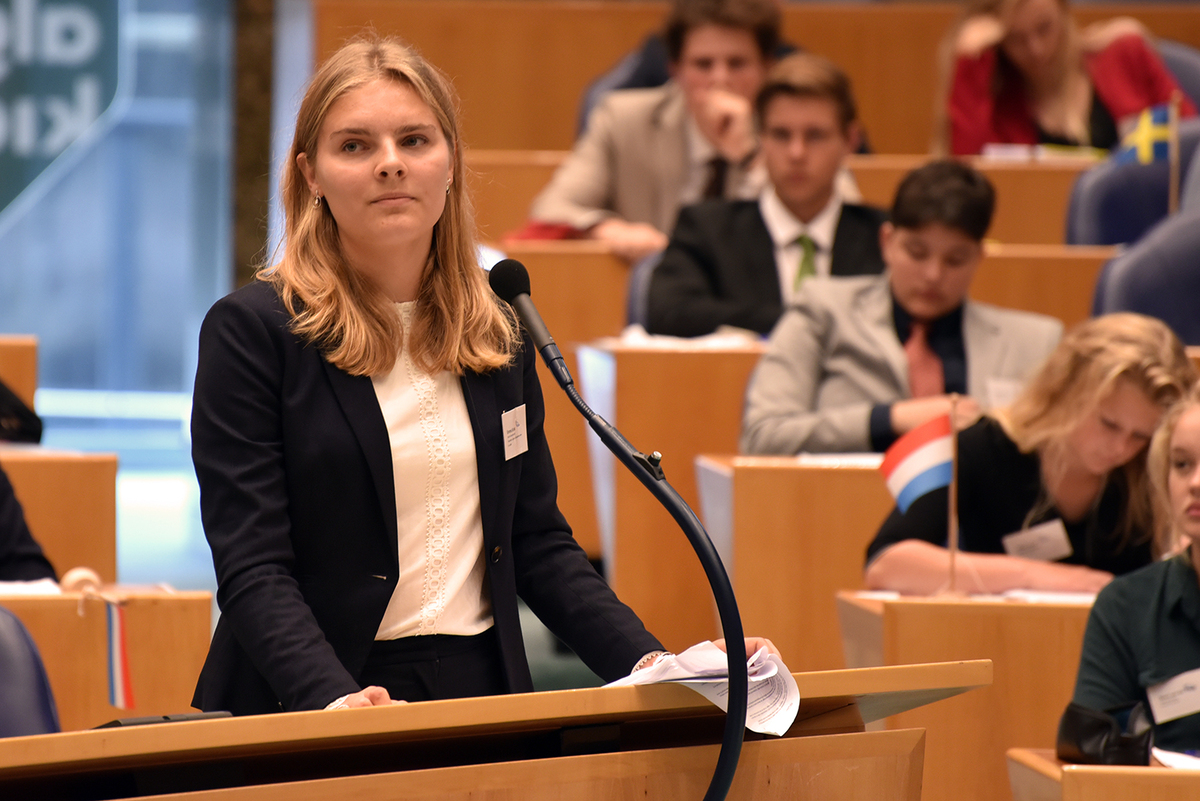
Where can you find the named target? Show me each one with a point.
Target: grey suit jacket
(834, 355)
(631, 163)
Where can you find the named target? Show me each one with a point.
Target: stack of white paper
(774, 698)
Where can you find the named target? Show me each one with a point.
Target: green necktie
(808, 259)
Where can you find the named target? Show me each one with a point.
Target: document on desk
(40, 587)
(774, 698)
(1174, 759)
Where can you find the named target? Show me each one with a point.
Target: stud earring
(316, 201)
(448, 187)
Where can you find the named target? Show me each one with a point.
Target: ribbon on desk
(120, 687)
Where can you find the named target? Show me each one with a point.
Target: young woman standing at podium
(367, 432)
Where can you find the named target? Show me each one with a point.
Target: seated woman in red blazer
(1022, 73)
(367, 429)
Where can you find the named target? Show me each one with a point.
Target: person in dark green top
(1143, 636)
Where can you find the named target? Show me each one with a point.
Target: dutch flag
(919, 462)
(120, 688)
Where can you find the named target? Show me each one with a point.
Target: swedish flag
(1150, 139)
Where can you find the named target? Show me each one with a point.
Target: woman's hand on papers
(752, 646)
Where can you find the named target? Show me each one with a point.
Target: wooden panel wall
(521, 65)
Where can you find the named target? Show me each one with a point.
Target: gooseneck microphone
(510, 281)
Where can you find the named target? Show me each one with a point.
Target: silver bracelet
(648, 660)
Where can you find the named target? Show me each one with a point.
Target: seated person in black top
(1062, 470)
(21, 558)
(741, 262)
(1144, 629)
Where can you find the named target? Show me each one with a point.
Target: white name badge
(1000, 392)
(516, 441)
(1047, 542)
(1175, 698)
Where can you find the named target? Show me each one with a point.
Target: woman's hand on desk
(371, 696)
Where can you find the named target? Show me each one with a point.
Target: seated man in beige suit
(647, 152)
(856, 362)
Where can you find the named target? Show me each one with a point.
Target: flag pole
(952, 516)
(1173, 152)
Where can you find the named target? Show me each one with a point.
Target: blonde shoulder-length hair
(457, 324)
(1082, 371)
(1158, 463)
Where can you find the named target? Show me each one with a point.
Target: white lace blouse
(441, 583)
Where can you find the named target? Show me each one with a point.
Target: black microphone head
(509, 278)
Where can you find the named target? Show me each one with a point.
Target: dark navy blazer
(298, 503)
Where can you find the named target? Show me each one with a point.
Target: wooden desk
(521, 66)
(18, 365)
(792, 532)
(503, 184)
(167, 636)
(680, 401)
(70, 503)
(1036, 775)
(616, 743)
(1031, 198)
(1051, 279)
(579, 289)
(1035, 648)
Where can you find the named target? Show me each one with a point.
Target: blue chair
(1183, 62)
(1159, 276)
(638, 292)
(26, 702)
(1116, 204)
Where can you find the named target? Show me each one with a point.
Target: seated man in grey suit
(856, 362)
(740, 263)
(647, 152)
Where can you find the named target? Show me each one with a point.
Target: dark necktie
(925, 374)
(718, 168)
(808, 260)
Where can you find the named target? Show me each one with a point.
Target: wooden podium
(612, 743)
(681, 400)
(792, 531)
(1036, 775)
(166, 633)
(1035, 647)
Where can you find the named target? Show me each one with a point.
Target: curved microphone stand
(510, 281)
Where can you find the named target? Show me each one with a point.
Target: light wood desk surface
(18, 365)
(521, 66)
(70, 503)
(1035, 648)
(791, 534)
(1036, 775)
(680, 401)
(302, 755)
(167, 636)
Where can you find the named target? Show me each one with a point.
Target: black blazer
(21, 558)
(719, 267)
(298, 504)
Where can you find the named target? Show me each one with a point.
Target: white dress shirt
(739, 184)
(785, 229)
(441, 582)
